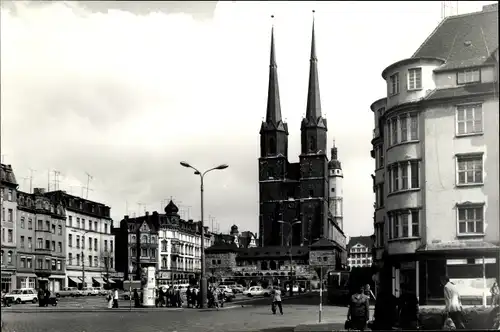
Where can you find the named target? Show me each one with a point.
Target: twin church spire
(313, 118)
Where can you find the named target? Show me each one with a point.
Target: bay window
(404, 175)
(403, 128)
(404, 223)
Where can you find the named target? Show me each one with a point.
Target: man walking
(453, 307)
(115, 298)
(359, 310)
(276, 301)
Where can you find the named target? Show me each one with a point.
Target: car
(101, 291)
(22, 295)
(67, 291)
(254, 291)
(228, 292)
(89, 291)
(295, 289)
(237, 288)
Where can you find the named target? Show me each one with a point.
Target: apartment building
(41, 250)
(436, 151)
(89, 241)
(8, 201)
(359, 251)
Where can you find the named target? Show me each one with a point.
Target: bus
(338, 287)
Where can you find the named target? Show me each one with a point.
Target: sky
(125, 91)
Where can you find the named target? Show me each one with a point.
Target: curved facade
(436, 180)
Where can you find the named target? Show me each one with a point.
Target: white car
(22, 295)
(254, 291)
(67, 291)
(90, 291)
(228, 292)
(237, 288)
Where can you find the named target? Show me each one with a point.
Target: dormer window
(394, 84)
(468, 76)
(415, 79)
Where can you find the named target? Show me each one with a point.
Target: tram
(338, 287)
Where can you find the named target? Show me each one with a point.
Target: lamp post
(130, 270)
(203, 279)
(83, 256)
(295, 222)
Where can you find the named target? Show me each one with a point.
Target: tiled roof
(7, 174)
(463, 40)
(222, 247)
(364, 240)
(323, 243)
(465, 90)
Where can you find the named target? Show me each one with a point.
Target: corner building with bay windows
(436, 151)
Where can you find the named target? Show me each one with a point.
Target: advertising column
(148, 286)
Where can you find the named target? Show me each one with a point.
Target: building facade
(435, 146)
(41, 251)
(166, 241)
(90, 244)
(359, 251)
(8, 199)
(298, 191)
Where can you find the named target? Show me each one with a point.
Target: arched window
(153, 239)
(312, 144)
(9, 257)
(144, 239)
(263, 265)
(272, 146)
(164, 262)
(133, 239)
(164, 245)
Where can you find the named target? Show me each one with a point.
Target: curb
(120, 310)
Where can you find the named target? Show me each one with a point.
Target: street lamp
(130, 270)
(203, 279)
(295, 222)
(83, 256)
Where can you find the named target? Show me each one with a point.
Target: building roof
(222, 247)
(463, 40)
(272, 251)
(323, 244)
(171, 208)
(363, 240)
(7, 175)
(462, 91)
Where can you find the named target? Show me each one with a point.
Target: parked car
(228, 293)
(101, 291)
(254, 291)
(295, 288)
(22, 295)
(68, 291)
(88, 291)
(237, 289)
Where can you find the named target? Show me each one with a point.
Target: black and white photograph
(238, 166)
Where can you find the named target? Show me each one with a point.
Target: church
(300, 202)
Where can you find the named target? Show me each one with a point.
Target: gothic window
(312, 144)
(272, 146)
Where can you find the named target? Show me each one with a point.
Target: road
(248, 318)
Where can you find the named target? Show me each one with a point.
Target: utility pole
(48, 181)
(31, 179)
(89, 177)
(87, 188)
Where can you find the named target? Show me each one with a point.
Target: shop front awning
(88, 280)
(459, 248)
(99, 280)
(75, 280)
(110, 281)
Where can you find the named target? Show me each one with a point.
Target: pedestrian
(188, 296)
(358, 314)
(47, 297)
(408, 309)
(109, 298)
(453, 304)
(369, 293)
(495, 294)
(276, 301)
(178, 298)
(41, 297)
(385, 311)
(115, 298)
(194, 297)
(137, 299)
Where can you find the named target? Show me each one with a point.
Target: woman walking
(109, 297)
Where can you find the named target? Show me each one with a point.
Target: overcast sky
(126, 91)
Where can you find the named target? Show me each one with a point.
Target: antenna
(2, 158)
(24, 181)
(87, 188)
(48, 181)
(89, 177)
(56, 179)
(449, 8)
(31, 179)
(140, 205)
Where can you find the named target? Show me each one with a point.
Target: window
(47, 244)
(144, 239)
(394, 84)
(469, 119)
(22, 222)
(470, 219)
(70, 240)
(59, 265)
(78, 241)
(95, 244)
(70, 259)
(39, 263)
(39, 243)
(59, 246)
(53, 230)
(30, 243)
(10, 236)
(90, 261)
(53, 246)
(111, 262)
(468, 76)
(29, 263)
(83, 242)
(23, 262)
(90, 225)
(379, 195)
(3, 214)
(96, 262)
(111, 245)
(144, 252)
(105, 245)
(394, 131)
(404, 224)
(90, 243)
(153, 253)
(54, 265)
(404, 175)
(414, 78)
(78, 259)
(403, 128)
(70, 221)
(30, 223)
(469, 169)
(22, 241)
(9, 257)
(10, 194)
(403, 123)
(59, 230)
(312, 144)
(40, 225)
(95, 226)
(106, 228)
(379, 157)
(77, 222)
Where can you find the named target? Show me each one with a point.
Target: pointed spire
(334, 151)
(313, 111)
(334, 162)
(273, 114)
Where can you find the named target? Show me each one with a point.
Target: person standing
(276, 301)
(115, 298)
(495, 294)
(359, 310)
(188, 296)
(453, 304)
(110, 299)
(385, 311)
(194, 298)
(47, 297)
(137, 299)
(408, 310)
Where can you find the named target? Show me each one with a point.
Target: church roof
(171, 208)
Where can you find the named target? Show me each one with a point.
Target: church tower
(335, 179)
(273, 159)
(313, 159)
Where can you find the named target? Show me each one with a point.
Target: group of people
(112, 298)
(44, 298)
(169, 297)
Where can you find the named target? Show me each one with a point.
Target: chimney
(126, 217)
(147, 213)
(490, 8)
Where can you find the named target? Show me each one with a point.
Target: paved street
(254, 318)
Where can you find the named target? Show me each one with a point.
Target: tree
(105, 259)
